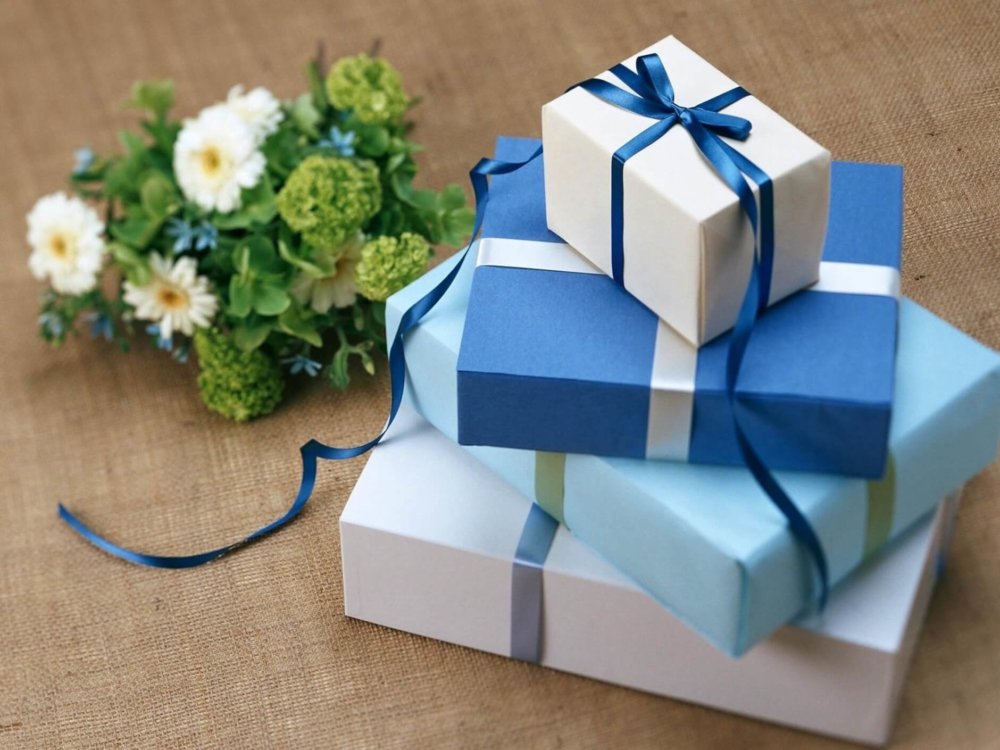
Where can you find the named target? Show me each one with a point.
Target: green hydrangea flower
(371, 87)
(388, 264)
(238, 385)
(328, 199)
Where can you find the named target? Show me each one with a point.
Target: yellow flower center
(60, 247)
(211, 160)
(171, 298)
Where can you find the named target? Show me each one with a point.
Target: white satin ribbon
(857, 278)
(675, 361)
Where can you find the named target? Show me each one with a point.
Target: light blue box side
(936, 449)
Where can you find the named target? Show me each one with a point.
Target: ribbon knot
(652, 95)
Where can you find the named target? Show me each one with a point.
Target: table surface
(255, 650)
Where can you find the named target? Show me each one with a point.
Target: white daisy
(175, 297)
(215, 157)
(66, 237)
(258, 108)
(336, 290)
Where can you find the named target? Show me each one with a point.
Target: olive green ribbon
(550, 483)
(881, 509)
(550, 494)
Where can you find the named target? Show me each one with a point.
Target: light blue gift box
(558, 357)
(705, 541)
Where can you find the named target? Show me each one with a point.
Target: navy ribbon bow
(649, 93)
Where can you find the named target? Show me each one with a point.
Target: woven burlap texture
(254, 650)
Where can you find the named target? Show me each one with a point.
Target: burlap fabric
(255, 650)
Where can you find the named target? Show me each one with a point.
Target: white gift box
(687, 244)
(428, 538)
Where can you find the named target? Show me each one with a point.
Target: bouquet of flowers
(266, 233)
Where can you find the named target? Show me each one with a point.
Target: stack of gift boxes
(598, 517)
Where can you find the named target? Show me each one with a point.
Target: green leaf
(366, 360)
(452, 197)
(249, 336)
(134, 265)
(240, 297)
(133, 144)
(156, 97)
(164, 134)
(159, 199)
(241, 260)
(305, 115)
(121, 179)
(373, 140)
(259, 207)
(395, 162)
(138, 229)
(261, 256)
(310, 269)
(337, 371)
(283, 152)
(457, 226)
(269, 299)
(299, 323)
(316, 86)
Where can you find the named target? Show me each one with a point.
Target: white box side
(839, 674)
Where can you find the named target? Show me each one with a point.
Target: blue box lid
(562, 361)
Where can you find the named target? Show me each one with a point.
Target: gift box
(648, 208)
(433, 543)
(557, 357)
(705, 541)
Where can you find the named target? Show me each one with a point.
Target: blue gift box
(705, 541)
(557, 357)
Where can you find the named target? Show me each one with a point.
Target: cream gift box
(687, 244)
(428, 537)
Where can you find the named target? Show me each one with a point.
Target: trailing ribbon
(650, 94)
(314, 450)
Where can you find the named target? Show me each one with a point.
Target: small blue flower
(187, 236)
(339, 141)
(206, 237)
(302, 363)
(100, 325)
(83, 160)
(51, 324)
(182, 232)
(166, 344)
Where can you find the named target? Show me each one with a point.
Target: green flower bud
(370, 87)
(328, 199)
(238, 385)
(388, 264)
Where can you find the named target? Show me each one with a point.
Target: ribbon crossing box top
(684, 242)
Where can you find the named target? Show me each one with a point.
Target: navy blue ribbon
(649, 93)
(315, 450)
